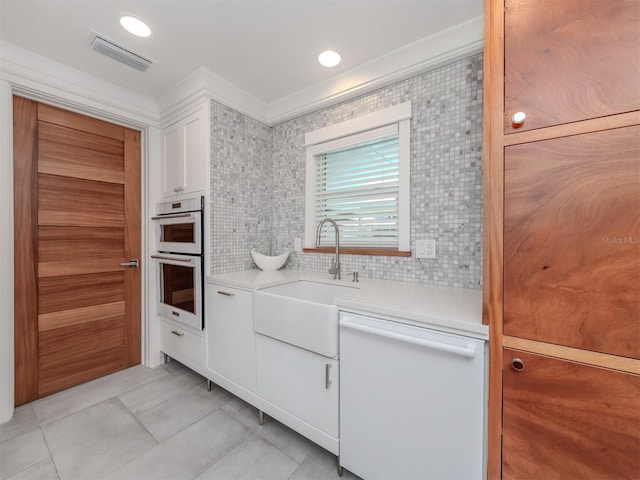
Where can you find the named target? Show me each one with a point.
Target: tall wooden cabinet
(562, 237)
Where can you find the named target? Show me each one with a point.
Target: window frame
(351, 132)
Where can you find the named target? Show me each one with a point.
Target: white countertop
(449, 309)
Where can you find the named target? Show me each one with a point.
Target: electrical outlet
(297, 244)
(426, 248)
(430, 248)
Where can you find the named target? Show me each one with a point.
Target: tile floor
(159, 423)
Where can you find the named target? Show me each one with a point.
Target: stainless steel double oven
(180, 260)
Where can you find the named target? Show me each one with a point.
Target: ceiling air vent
(121, 54)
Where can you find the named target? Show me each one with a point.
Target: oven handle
(172, 215)
(160, 257)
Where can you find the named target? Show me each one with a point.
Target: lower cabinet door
(568, 420)
(300, 382)
(230, 336)
(571, 243)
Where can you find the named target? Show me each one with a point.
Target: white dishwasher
(412, 401)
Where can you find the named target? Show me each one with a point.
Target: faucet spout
(335, 268)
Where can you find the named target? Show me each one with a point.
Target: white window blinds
(358, 186)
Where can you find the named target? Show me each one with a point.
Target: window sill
(359, 251)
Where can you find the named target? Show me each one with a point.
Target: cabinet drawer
(567, 420)
(182, 344)
(300, 382)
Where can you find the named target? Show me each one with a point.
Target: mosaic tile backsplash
(241, 189)
(258, 177)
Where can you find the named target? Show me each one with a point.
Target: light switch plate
(297, 244)
(426, 248)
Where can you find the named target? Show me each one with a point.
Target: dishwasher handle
(469, 351)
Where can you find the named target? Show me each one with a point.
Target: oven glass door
(180, 233)
(181, 289)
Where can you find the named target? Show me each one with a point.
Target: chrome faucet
(335, 267)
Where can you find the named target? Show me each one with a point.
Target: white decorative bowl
(266, 262)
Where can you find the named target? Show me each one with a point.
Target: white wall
(26, 74)
(6, 247)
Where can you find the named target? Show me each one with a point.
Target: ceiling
(267, 49)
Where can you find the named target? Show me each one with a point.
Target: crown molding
(202, 83)
(45, 80)
(42, 79)
(429, 53)
(426, 54)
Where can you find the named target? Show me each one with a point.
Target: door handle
(131, 263)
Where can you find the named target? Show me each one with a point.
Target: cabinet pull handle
(518, 118)
(327, 380)
(160, 257)
(517, 364)
(177, 333)
(226, 294)
(172, 215)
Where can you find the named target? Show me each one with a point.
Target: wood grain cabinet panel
(567, 420)
(570, 60)
(572, 241)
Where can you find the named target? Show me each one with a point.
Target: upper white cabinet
(186, 153)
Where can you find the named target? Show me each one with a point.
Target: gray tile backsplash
(258, 177)
(241, 189)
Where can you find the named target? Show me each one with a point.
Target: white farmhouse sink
(301, 313)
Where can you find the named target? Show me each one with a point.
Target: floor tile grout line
(166, 370)
(139, 454)
(116, 396)
(278, 448)
(179, 431)
(226, 453)
(53, 461)
(256, 429)
(38, 462)
(161, 403)
(220, 458)
(85, 385)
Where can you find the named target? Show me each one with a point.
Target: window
(358, 175)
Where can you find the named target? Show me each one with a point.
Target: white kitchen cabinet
(186, 153)
(231, 349)
(182, 344)
(299, 382)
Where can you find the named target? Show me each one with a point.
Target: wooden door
(570, 60)
(77, 218)
(572, 241)
(566, 420)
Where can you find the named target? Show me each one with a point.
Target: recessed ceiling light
(135, 26)
(329, 58)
